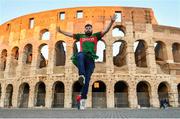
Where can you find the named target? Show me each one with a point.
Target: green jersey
(88, 45)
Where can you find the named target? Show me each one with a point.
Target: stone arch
(99, 94)
(60, 53)
(27, 54)
(119, 53)
(3, 60)
(143, 94)
(58, 94)
(163, 91)
(101, 51)
(44, 34)
(178, 88)
(8, 96)
(118, 31)
(76, 90)
(121, 94)
(23, 96)
(176, 52)
(43, 55)
(15, 52)
(40, 94)
(140, 47)
(160, 51)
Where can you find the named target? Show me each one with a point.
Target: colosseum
(139, 61)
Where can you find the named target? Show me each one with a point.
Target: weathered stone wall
(138, 24)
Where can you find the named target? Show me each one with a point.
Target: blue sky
(167, 12)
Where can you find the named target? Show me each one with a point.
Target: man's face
(88, 30)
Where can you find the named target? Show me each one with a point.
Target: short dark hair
(88, 25)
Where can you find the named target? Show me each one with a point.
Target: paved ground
(90, 113)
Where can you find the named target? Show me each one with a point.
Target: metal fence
(99, 100)
(58, 100)
(40, 99)
(8, 100)
(143, 99)
(74, 104)
(121, 100)
(24, 100)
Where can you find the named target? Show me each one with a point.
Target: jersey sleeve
(76, 36)
(99, 35)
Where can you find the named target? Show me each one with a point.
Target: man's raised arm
(109, 25)
(64, 32)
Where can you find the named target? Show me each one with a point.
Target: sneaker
(81, 80)
(82, 104)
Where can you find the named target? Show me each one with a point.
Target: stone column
(173, 96)
(109, 53)
(69, 51)
(169, 52)
(8, 64)
(21, 58)
(19, 69)
(31, 95)
(130, 57)
(48, 98)
(132, 95)
(154, 98)
(130, 60)
(15, 95)
(35, 52)
(3, 94)
(68, 94)
(110, 95)
(151, 61)
(89, 96)
(51, 49)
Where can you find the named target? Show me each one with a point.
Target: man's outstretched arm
(109, 25)
(64, 32)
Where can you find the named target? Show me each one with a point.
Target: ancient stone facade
(144, 71)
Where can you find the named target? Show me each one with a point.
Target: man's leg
(89, 68)
(81, 67)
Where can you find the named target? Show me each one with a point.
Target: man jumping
(84, 60)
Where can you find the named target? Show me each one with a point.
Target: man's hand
(113, 18)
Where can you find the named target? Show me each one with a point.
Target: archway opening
(40, 94)
(179, 94)
(160, 51)
(24, 95)
(143, 94)
(9, 93)
(60, 53)
(163, 92)
(58, 100)
(3, 60)
(76, 91)
(101, 51)
(119, 53)
(43, 55)
(27, 54)
(121, 94)
(99, 95)
(176, 52)
(140, 47)
(118, 31)
(44, 34)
